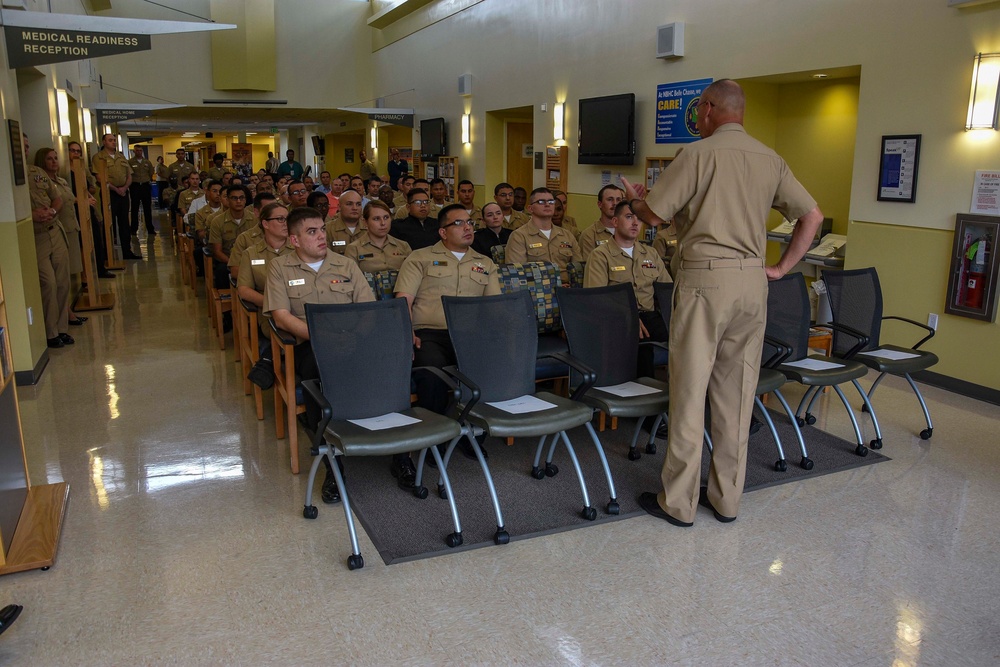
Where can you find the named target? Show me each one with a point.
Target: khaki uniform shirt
(665, 244)
(255, 260)
(517, 219)
(434, 209)
(118, 168)
(67, 214)
(202, 218)
(372, 259)
(719, 192)
(142, 170)
(43, 192)
(245, 240)
(528, 244)
(399, 201)
(224, 229)
(291, 284)
(569, 224)
(179, 170)
(162, 172)
(338, 236)
(188, 196)
(215, 173)
(610, 265)
(430, 273)
(595, 235)
(476, 214)
(367, 170)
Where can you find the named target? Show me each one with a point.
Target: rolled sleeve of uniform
(430, 273)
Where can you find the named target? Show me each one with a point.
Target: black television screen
(607, 130)
(319, 145)
(433, 137)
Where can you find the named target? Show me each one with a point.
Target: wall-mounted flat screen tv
(607, 130)
(433, 137)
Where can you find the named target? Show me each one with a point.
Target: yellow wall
(335, 145)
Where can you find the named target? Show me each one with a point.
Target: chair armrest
(589, 376)
(313, 390)
(232, 281)
(206, 251)
(282, 335)
(456, 393)
(473, 387)
(655, 343)
(930, 331)
(861, 337)
(249, 307)
(782, 351)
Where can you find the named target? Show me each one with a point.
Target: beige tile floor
(184, 542)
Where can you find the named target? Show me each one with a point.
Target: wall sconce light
(88, 127)
(374, 138)
(107, 130)
(465, 129)
(558, 121)
(62, 106)
(985, 90)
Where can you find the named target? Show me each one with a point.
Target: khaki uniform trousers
(53, 277)
(716, 338)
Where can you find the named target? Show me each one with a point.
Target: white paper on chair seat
(895, 355)
(813, 364)
(521, 405)
(391, 420)
(626, 389)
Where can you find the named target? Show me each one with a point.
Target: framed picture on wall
(897, 170)
(16, 150)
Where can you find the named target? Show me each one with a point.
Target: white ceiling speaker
(670, 40)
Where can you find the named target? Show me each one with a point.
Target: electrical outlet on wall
(31, 316)
(932, 320)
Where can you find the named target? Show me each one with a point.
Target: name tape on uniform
(257, 262)
(297, 281)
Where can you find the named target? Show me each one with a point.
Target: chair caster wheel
(501, 536)
(861, 450)
(780, 465)
(420, 492)
(537, 473)
(800, 421)
(310, 512)
(442, 494)
(453, 540)
(810, 419)
(876, 443)
(355, 562)
(634, 455)
(806, 463)
(926, 434)
(613, 507)
(551, 470)
(589, 513)
(46, 568)
(651, 448)
(864, 408)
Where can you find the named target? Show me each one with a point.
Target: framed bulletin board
(897, 169)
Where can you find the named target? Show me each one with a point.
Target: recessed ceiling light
(821, 76)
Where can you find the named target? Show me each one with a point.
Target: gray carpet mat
(404, 528)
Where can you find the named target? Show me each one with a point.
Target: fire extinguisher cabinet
(972, 283)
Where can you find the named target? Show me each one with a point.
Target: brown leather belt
(747, 263)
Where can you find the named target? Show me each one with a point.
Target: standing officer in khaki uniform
(50, 251)
(119, 175)
(312, 274)
(179, 169)
(623, 260)
(375, 250)
(347, 226)
(141, 191)
(449, 268)
(541, 241)
(719, 192)
(602, 231)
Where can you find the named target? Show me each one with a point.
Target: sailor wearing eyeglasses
(539, 240)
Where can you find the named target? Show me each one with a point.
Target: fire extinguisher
(976, 281)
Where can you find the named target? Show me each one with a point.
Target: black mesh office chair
(364, 353)
(856, 301)
(484, 330)
(788, 325)
(602, 327)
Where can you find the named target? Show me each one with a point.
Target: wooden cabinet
(556, 162)
(447, 171)
(655, 167)
(30, 516)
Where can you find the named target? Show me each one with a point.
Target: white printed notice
(894, 355)
(391, 420)
(813, 364)
(522, 405)
(986, 193)
(626, 389)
